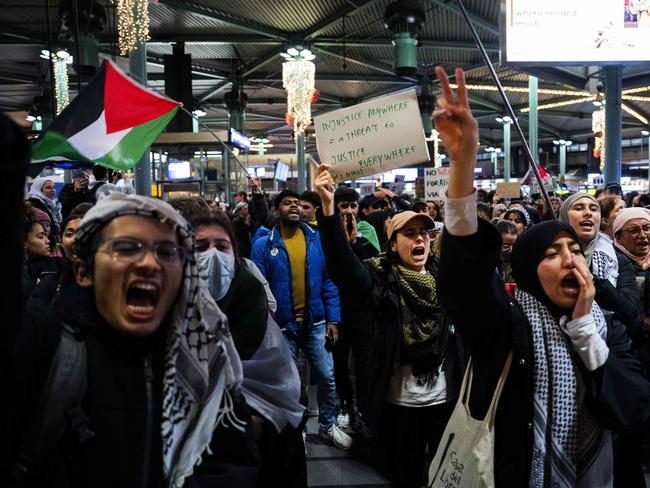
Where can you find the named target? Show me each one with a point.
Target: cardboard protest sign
(507, 190)
(372, 137)
(436, 181)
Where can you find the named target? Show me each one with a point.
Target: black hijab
(528, 252)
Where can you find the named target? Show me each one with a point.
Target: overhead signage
(372, 137)
(238, 139)
(579, 31)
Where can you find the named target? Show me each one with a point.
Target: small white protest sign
(436, 181)
(372, 137)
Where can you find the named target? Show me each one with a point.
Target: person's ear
(393, 245)
(82, 274)
(604, 222)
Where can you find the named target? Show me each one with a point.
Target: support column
(138, 71)
(562, 161)
(506, 151)
(301, 167)
(532, 117)
(235, 102)
(645, 132)
(226, 158)
(613, 123)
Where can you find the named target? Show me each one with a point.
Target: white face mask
(216, 271)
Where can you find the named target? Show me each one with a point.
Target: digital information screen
(575, 31)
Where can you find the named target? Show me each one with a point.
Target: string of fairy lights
(132, 24)
(298, 79)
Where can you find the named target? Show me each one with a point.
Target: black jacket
(623, 299)
(70, 199)
(376, 302)
(492, 324)
(243, 234)
(122, 411)
(35, 271)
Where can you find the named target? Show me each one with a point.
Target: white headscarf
(36, 191)
(202, 366)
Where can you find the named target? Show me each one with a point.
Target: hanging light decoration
(298, 74)
(60, 60)
(598, 128)
(132, 24)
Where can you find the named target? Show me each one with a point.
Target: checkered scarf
(201, 364)
(569, 448)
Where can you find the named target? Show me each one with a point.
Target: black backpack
(58, 409)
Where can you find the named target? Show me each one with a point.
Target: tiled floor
(328, 466)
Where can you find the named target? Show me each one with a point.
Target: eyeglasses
(129, 250)
(635, 230)
(345, 205)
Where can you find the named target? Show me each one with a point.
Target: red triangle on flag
(542, 171)
(128, 104)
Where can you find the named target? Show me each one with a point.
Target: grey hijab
(589, 246)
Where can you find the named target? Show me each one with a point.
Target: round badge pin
(274, 251)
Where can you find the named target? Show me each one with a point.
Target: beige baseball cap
(401, 219)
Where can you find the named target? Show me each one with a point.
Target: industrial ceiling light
(199, 112)
(405, 19)
(645, 133)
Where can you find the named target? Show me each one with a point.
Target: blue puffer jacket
(271, 257)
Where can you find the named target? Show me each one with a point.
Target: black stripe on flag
(84, 109)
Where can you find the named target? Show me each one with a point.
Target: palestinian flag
(112, 123)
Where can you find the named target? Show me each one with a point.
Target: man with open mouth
(291, 259)
(157, 402)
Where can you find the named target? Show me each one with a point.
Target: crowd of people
(161, 342)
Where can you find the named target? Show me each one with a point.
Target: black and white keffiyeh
(570, 449)
(202, 366)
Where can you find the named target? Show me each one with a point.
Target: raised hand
(458, 131)
(587, 289)
(325, 188)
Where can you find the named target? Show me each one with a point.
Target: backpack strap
(58, 408)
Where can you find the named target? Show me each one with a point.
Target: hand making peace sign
(458, 131)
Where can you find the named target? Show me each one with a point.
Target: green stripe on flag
(54, 146)
(133, 145)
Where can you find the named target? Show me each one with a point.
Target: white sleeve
(584, 336)
(460, 215)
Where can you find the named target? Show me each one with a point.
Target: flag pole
(531, 159)
(202, 124)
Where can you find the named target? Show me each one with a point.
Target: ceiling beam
(206, 95)
(165, 39)
(339, 77)
(562, 77)
(198, 9)
(382, 68)
(271, 56)
(332, 20)
(477, 20)
(636, 80)
(387, 42)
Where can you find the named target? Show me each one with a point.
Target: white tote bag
(465, 455)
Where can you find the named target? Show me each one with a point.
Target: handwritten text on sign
(372, 137)
(436, 181)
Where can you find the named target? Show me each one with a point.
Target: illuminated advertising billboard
(535, 32)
